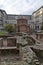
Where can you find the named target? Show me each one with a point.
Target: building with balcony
(37, 18)
(3, 17)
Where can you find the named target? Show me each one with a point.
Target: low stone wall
(4, 42)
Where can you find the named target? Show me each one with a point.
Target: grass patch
(3, 32)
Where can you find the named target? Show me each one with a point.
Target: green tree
(42, 26)
(9, 28)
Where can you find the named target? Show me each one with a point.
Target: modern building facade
(23, 22)
(37, 18)
(3, 17)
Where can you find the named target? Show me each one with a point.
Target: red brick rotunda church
(22, 25)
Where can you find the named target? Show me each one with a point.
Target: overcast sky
(25, 7)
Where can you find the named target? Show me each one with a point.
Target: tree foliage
(9, 28)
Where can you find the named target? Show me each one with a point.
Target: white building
(37, 18)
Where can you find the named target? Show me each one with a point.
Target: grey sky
(20, 6)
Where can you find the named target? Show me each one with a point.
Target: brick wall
(22, 26)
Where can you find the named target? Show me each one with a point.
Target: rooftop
(37, 9)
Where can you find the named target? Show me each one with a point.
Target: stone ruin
(16, 51)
